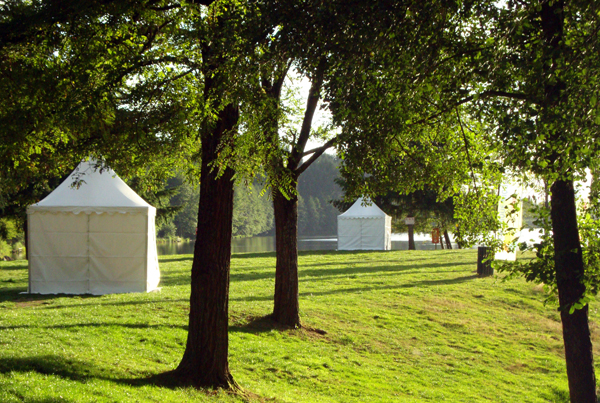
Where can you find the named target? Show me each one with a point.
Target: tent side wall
(117, 252)
(364, 233)
(349, 234)
(58, 253)
(373, 233)
(388, 233)
(152, 270)
(97, 252)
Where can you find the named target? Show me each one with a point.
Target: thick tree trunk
(411, 237)
(568, 263)
(568, 260)
(204, 363)
(447, 239)
(286, 307)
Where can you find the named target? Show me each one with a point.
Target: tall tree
(327, 42)
(540, 86)
(530, 71)
(140, 84)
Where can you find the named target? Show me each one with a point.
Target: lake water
(257, 244)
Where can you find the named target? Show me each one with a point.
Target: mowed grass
(399, 326)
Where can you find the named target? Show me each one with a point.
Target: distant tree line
(177, 214)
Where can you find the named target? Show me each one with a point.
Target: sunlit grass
(378, 327)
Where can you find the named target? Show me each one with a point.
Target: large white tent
(95, 238)
(364, 226)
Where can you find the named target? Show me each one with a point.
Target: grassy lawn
(379, 327)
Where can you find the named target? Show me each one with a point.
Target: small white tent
(364, 227)
(98, 238)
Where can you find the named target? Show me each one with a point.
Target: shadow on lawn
(106, 324)
(345, 270)
(316, 269)
(15, 265)
(77, 371)
(362, 268)
(71, 369)
(183, 258)
(83, 371)
(16, 296)
(346, 290)
(423, 283)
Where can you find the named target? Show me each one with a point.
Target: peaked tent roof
(359, 211)
(98, 190)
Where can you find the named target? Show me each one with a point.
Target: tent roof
(101, 190)
(359, 211)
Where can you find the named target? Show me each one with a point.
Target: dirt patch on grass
(28, 303)
(259, 324)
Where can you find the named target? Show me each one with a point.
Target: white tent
(98, 238)
(364, 227)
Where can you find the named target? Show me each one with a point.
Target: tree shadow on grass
(346, 290)
(252, 255)
(314, 269)
(362, 268)
(424, 283)
(93, 324)
(71, 369)
(21, 297)
(77, 370)
(82, 371)
(345, 270)
(118, 303)
(381, 274)
(558, 395)
(14, 265)
(183, 258)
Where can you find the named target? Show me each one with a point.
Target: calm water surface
(257, 244)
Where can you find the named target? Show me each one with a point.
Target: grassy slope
(400, 326)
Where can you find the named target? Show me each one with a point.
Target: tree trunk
(484, 267)
(204, 363)
(458, 238)
(286, 307)
(447, 238)
(411, 238)
(568, 263)
(568, 260)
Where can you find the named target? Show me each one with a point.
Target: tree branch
(484, 94)
(316, 153)
(466, 149)
(311, 105)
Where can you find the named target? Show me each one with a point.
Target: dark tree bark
(484, 267)
(447, 238)
(568, 263)
(568, 260)
(286, 308)
(411, 237)
(205, 363)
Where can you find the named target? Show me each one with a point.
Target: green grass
(398, 326)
